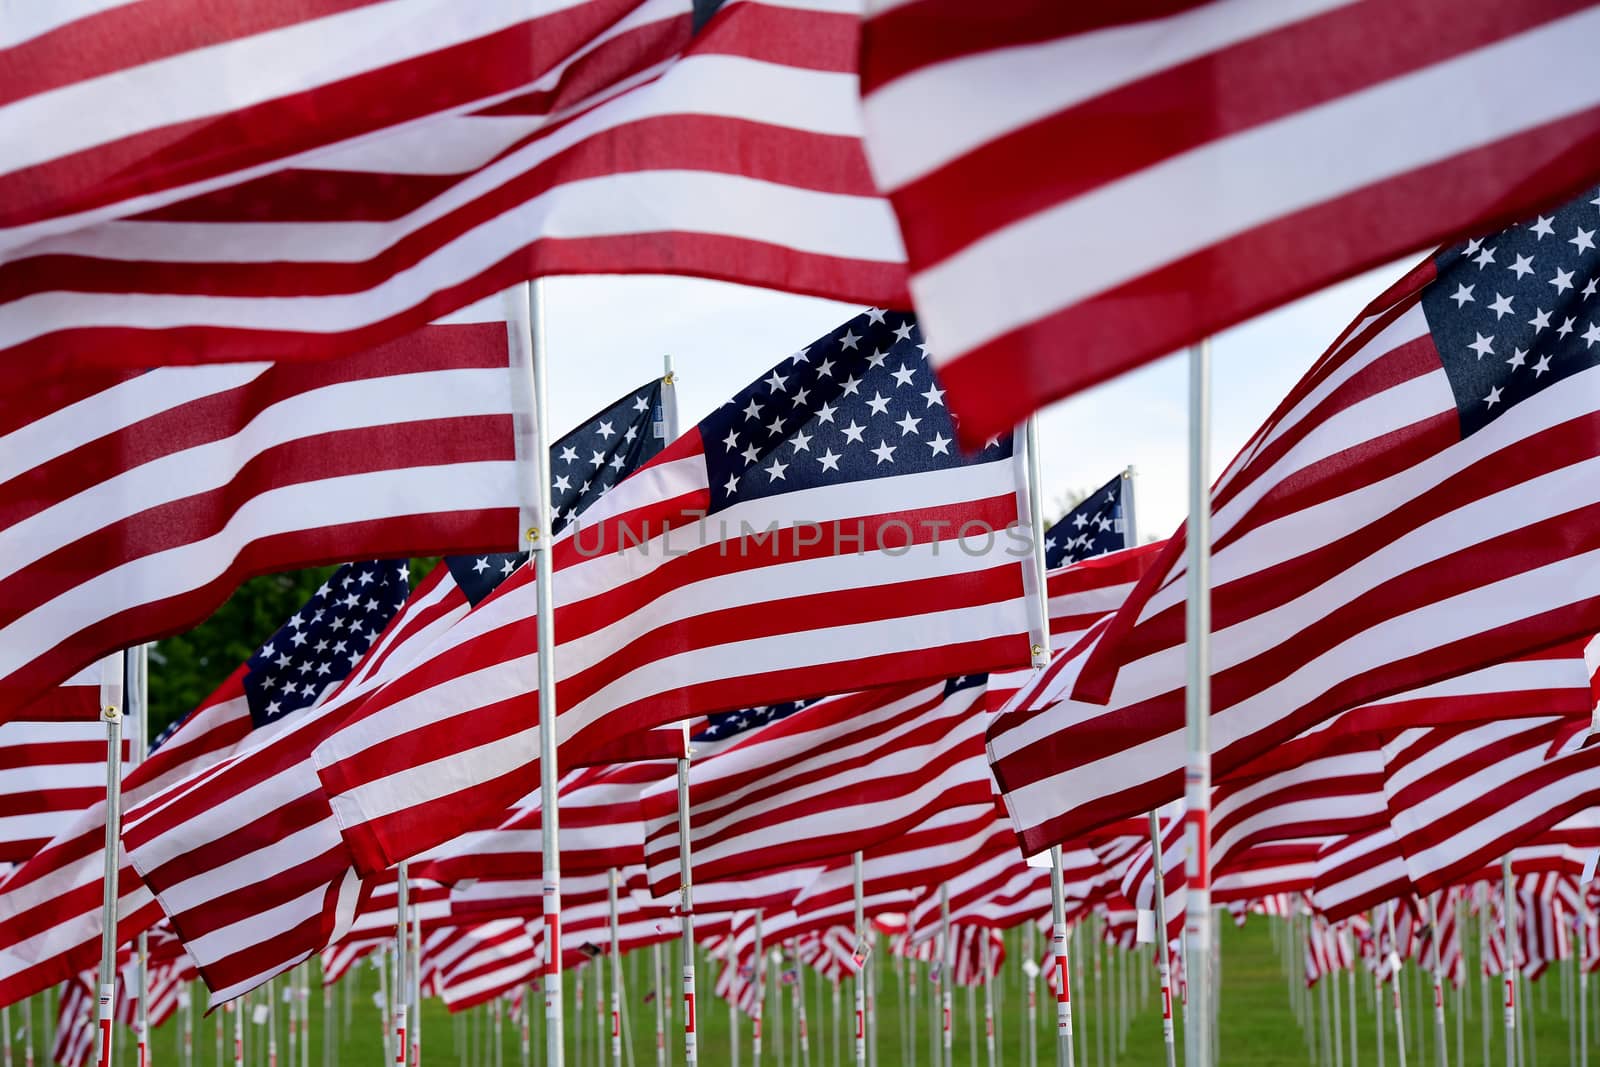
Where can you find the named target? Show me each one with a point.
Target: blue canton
(1515, 312)
(1093, 528)
(322, 641)
(858, 404)
(584, 465)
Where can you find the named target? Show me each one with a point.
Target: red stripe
(1140, 320)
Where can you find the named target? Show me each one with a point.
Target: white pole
(114, 683)
(616, 973)
(1355, 1049)
(399, 985)
(1508, 928)
(138, 702)
(1029, 951)
(1058, 922)
(1583, 983)
(759, 977)
(539, 540)
(861, 961)
(237, 1008)
(1197, 778)
(415, 986)
(1164, 965)
(1440, 1038)
(657, 980)
(691, 1054)
(1039, 602)
(1394, 979)
(800, 1011)
(946, 978)
(988, 999)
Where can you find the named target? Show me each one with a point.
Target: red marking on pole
(400, 1050)
(1064, 994)
(860, 1029)
(1166, 1002)
(1199, 821)
(947, 1020)
(688, 1007)
(616, 1024)
(1511, 996)
(552, 966)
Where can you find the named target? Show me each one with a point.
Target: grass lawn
(1258, 1022)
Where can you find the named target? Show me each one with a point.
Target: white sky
(607, 334)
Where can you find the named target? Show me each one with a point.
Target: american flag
(207, 843)
(618, 143)
(49, 772)
(134, 503)
(1421, 504)
(803, 539)
(50, 907)
(1243, 154)
(1098, 524)
(844, 774)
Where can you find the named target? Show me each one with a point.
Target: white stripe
(246, 71)
(1253, 178)
(928, 117)
(23, 20)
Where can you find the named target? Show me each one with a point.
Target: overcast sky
(607, 334)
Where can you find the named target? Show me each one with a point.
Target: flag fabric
(1418, 506)
(134, 503)
(49, 772)
(842, 775)
(258, 828)
(161, 115)
(628, 147)
(1244, 154)
(1099, 523)
(50, 907)
(75, 700)
(815, 534)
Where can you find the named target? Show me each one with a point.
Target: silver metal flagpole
(399, 985)
(1164, 967)
(1443, 1054)
(1030, 1042)
(113, 685)
(1399, 1010)
(1508, 929)
(1583, 984)
(237, 1008)
(1039, 602)
(657, 980)
(861, 960)
(946, 956)
(801, 1021)
(415, 986)
(1058, 920)
(1197, 778)
(616, 971)
(691, 1054)
(384, 994)
(759, 977)
(988, 999)
(137, 699)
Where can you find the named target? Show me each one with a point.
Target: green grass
(1258, 1024)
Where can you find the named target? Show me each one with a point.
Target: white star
(505, 568)
(876, 359)
(849, 339)
(1541, 366)
(1562, 281)
(272, 709)
(633, 431)
(283, 661)
(731, 441)
(1588, 290)
(1540, 320)
(1463, 294)
(800, 397)
(934, 395)
(365, 577)
(829, 461)
(322, 668)
(597, 459)
(568, 454)
(825, 413)
(1484, 258)
(1079, 520)
(825, 369)
(1583, 241)
(902, 331)
(562, 483)
(322, 646)
(1543, 228)
(875, 315)
(776, 425)
(1518, 358)
(884, 452)
(775, 472)
(1501, 306)
(298, 639)
(753, 409)
(850, 387)
(1565, 328)
(1522, 266)
(940, 444)
(801, 441)
(1472, 246)
(616, 463)
(775, 382)
(732, 484)
(1494, 396)
(1591, 335)
(1484, 346)
(480, 566)
(298, 622)
(908, 424)
(750, 454)
(879, 403)
(606, 430)
(903, 375)
(640, 404)
(802, 356)
(854, 432)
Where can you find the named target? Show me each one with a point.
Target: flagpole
(1164, 965)
(1394, 978)
(137, 700)
(1029, 950)
(947, 1042)
(616, 972)
(860, 959)
(1583, 982)
(988, 999)
(539, 540)
(1197, 779)
(398, 985)
(1508, 929)
(1039, 602)
(661, 1004)
(1442, 1053)
(1058, 920)
(113, 685)
(414, 987)
(801, 1021)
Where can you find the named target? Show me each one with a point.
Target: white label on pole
(259, 1016)
(1030, 968)
(377, 1002)
(1146, 927)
